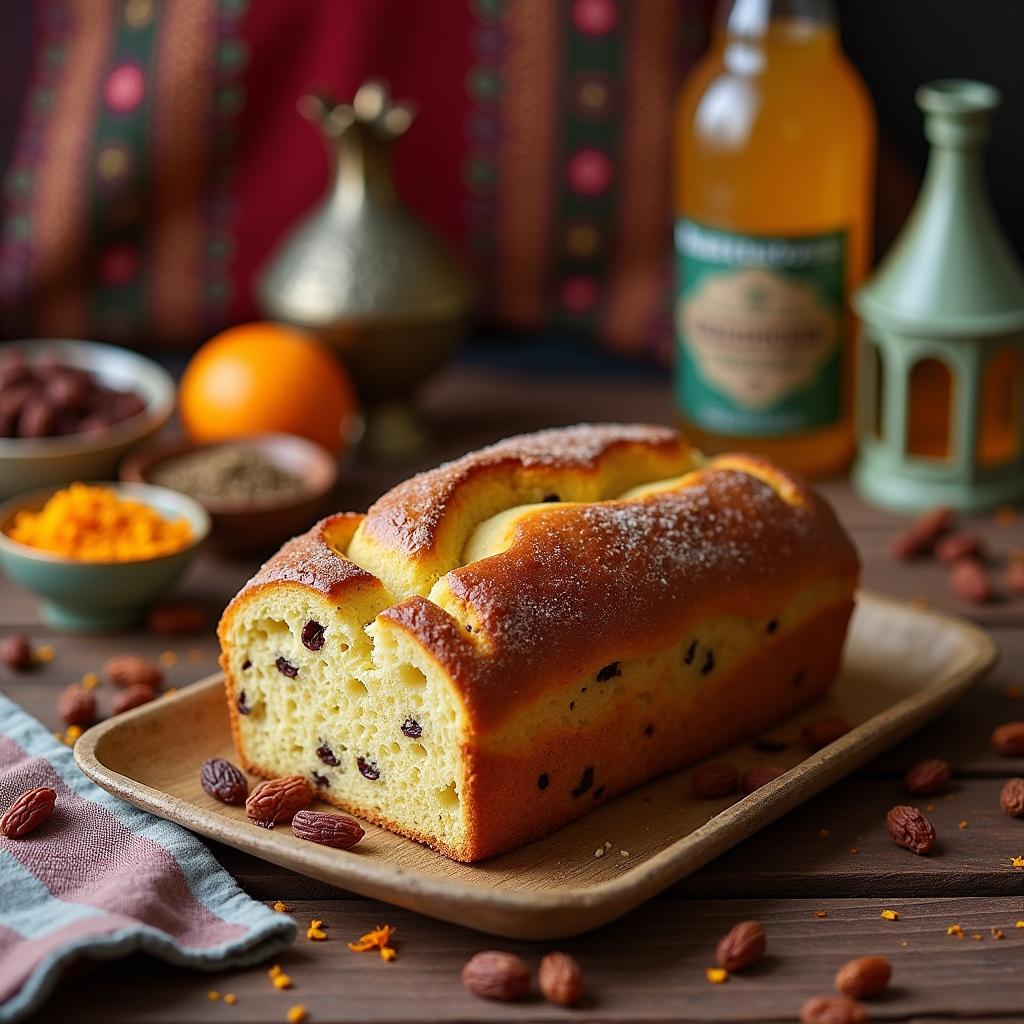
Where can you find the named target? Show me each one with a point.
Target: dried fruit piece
(561, 979)
(28, 812)
(741, 947)
(1008, 739)
(960, 545)
(332, 830)
(16, 652)
(920, 537)
(760, 775)
(223, 781)
(1011, 799)
(714, 780)
(131, 670)
(928, 777)
(823, 731)
(278, 800)
(327, 755)
(412, 729)
(368, 769)
(76, 706)
(176, 618)
(910, 829)
(497, 975)
(132, 697)
(313, 635)
(970, 581)
(832, 1010)
(866, 976)
(286, 668)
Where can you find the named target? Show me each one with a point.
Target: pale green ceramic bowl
(93, 597)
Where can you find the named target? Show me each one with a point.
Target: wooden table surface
(649, 966)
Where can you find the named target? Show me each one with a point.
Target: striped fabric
(102, 879)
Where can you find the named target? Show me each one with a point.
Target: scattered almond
(823, 731)
(760, 775)
(132, 697)
(711, 781)
(496, 975)
(864, 977)
(920, 537)
(960, 545)
(561, 979)
(130, 670)
(16, 652)
(741, 947)
(832, 1010)
(1008, 739)
(28, 812)
(334, 830)
(278, 800)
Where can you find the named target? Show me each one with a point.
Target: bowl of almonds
(71, 409)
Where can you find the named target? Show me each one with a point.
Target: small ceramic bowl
(29, 463)
(93, 597)
(240, 528)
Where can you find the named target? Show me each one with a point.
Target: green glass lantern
(941, 344)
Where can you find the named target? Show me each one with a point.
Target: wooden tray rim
(377, 879)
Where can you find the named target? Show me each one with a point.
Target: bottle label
(759, 323)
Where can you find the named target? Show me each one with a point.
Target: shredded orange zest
(853, 849)
(379, 938)
(231, 999)
(1006, 515)
(977, 936)
(297, 1014)
(998, 933)
(169, 691)
(821, 913)
(278, 978)
(955, 929)
(717, 975)
(1019, 924)
(44, 653)
(71, 734)
(1017, 862)
(93, 523)
(281, 908)
(315, 932)
(168, 659)
(90, 680)
(929, 807)
(213, 996)
(890, 915)
(962, 824)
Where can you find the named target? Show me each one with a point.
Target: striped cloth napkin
(101, 879)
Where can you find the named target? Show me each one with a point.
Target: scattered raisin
(610, 671)
(326, 755)
(586, 781)
(412, 729)
(910, 829)
(222, 780)
(543, 780)
(572, 705)
(312, 637)
(773, 625)
(321, 780)
(243, 705)
(368, 769)
(246, 665)
(709, 663)
(286, 668)
(691, 653)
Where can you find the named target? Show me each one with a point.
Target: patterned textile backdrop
(152, 154)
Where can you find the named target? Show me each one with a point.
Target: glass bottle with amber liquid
(775, 149)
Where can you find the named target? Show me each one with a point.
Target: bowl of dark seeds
(69, 410)
(258, 490)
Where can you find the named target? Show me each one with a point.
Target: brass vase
(372, 280)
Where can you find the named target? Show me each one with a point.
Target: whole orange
(262, 377)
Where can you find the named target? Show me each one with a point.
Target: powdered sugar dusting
(409, 515)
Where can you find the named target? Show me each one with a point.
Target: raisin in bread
(504, 642)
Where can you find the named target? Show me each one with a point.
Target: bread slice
(504, 642)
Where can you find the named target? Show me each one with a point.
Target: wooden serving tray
(903, 665)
